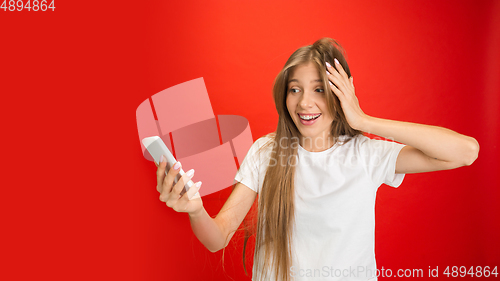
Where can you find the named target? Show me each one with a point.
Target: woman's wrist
(385, 128)
(197, 213)
(364, 124)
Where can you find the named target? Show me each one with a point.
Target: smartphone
(156, 147)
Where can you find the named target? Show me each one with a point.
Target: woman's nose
(306, 100)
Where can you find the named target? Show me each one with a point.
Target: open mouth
(309, 117)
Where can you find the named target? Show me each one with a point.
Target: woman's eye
(319, 90)
(293, 90)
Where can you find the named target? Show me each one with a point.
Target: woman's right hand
(171, 194)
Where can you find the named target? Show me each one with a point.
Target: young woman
(317, 175)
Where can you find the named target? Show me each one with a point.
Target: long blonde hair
(273, 256)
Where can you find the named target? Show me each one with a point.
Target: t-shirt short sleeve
(379, 157)
(251, 169)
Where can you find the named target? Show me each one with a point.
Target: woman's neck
(318, 143)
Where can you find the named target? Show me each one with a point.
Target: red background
(78, 199)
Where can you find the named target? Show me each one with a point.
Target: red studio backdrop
(78, 199)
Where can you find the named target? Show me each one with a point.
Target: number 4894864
(31, 5)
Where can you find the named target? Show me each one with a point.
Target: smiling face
(306, 103)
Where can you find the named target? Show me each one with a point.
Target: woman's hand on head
(343, 87)
(170, 193)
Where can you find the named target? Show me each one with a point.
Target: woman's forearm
(207, 231)
(436, 142)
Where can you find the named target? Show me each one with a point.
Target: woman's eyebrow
(295, 80)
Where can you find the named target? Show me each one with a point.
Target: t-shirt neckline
(319, 153)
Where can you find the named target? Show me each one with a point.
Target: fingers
(168, 181)
(160, 173)
(338, 85)
(179, 186)
(171, 195)
(183, 203)
(341, 85)
(192, 192)
(340, 69)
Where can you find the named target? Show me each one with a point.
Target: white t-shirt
(334, 233)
